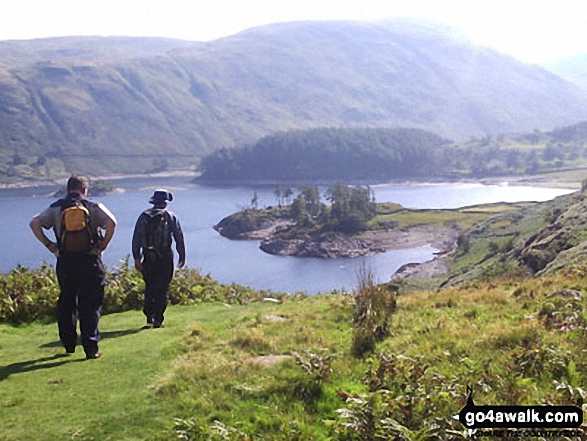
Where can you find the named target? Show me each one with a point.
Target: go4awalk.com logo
(519, 417)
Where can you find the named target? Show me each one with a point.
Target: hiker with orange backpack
(83, 229)
(151, 249)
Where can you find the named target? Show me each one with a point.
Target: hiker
(83, 229)
(153, 255)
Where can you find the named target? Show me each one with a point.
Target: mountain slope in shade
(126, 103)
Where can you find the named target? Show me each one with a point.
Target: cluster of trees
(348, 210)
(329, 154)
(348, 154)
(527, 156)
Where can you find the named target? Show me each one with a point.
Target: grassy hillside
(534, 239)
(303, 368)
(121, 105)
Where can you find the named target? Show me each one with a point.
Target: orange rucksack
(76, 231)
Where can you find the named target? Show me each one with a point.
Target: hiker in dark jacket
(83, 229)
(153, 255)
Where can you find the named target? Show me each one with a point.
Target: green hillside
(533, 240)
(332, 154)
(99, 105)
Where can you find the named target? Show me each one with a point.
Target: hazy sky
(533, 31)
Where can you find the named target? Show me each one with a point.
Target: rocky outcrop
(332, 245)
(244, 226)
(563, 237)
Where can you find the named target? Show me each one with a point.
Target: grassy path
(110, 398)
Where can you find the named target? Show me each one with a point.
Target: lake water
(200, 207)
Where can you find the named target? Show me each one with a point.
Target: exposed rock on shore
(337, 245)
(331, 245)
(247, 228)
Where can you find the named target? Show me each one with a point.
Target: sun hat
(161, 195)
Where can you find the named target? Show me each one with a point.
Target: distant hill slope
(572, 69)
(120, 105)
(77, 49)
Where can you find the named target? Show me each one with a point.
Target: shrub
(27, 295)
(373, 307)
(404, 400)
(31, 294)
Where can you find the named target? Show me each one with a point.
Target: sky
(533, 31)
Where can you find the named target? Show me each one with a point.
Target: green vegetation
(29, 295)
(349, 211)
(17, 167)
(390, 215)
(387, 361)
(329, 154)
(235, 368)
(534, 239)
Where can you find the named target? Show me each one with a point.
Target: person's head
(160, 198)
(78, 184)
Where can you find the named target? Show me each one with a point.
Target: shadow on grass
(37, 364)
(57, 359)
(103, 335)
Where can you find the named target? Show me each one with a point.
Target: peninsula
(353, 225)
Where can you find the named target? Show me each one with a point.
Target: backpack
(76, 230)
(157, 236)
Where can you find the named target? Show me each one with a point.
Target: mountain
(572, 69)
(132, 104)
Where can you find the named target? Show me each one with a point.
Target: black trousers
(82, 279)
(157, 274)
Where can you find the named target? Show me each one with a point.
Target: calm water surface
(200, 207)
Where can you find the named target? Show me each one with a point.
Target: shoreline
(546, 180)
(61, 181)
(541, 181)
(338, 245)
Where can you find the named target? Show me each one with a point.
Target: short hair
(77, 183)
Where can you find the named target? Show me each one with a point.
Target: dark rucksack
(77, 234)
(157, 235)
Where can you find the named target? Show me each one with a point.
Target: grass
(285, 370)
(237, 370)
(464, 217)
(199, 361)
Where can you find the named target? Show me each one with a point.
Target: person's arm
(37, 227)
(137, 244)
(108, 224)
(179, 243)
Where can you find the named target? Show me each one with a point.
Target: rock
(274, 318)
(567, 294)
(329, 246)
(270, 360)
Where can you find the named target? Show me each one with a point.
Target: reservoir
(200, 207)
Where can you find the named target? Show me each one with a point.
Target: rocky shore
(336, 245)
